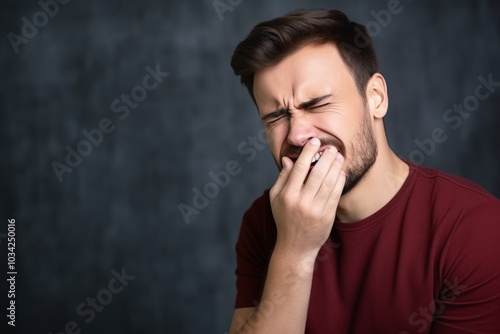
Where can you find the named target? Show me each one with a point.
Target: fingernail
(315, 141)
(340, 157)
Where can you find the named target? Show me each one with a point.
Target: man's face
(311, 93)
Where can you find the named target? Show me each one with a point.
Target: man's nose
(300, 130)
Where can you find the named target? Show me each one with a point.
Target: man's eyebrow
(304, 105)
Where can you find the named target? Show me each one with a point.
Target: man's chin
(353, 179)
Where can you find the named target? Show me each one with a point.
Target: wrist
(298, 261)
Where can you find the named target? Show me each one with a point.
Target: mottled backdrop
(129, 151)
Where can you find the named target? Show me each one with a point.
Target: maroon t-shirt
(427, 262)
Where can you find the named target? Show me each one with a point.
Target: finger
(282, 177)
(334, 198)
(301, 167)
(331, 179)
(317, 176)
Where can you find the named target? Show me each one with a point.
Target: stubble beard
(363, 154)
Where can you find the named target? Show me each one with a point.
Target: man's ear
(376, 96)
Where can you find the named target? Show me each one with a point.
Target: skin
(309, 103)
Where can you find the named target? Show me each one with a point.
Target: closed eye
(275, 116)
(275, 119)
(319, 107)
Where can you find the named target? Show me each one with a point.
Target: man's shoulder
(441, 186)
(451, 201)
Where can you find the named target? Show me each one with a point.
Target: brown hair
(271, 41)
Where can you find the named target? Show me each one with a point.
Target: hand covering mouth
(315, 158)
(293, 152)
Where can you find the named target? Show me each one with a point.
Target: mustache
(295, 151)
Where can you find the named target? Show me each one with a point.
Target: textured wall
(119, 205)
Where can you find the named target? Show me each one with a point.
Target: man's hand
(304, 206)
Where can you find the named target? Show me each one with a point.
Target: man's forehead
(310, 72)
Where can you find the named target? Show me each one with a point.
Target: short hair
(271, 41)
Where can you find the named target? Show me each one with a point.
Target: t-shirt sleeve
(251, 255)
(469, 298)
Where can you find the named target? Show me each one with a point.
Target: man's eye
(320, 106)
(275, 120)
(275, 117)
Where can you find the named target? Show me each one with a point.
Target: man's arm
(304, 212)
(284, 302)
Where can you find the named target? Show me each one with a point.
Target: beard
(360, 157)
(363, 154)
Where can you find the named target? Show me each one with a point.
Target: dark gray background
(119, 208)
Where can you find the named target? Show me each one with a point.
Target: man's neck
(378, 186)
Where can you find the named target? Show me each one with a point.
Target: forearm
(285, 299)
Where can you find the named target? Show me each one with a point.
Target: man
(350, 238)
